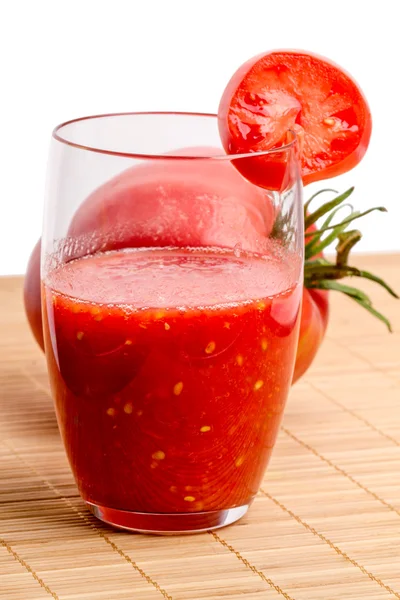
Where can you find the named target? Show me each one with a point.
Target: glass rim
(56, 135)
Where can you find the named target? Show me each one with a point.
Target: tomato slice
(294, 90)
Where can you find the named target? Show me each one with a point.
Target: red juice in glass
(171, 405)
(171, 291)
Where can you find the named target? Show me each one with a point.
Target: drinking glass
(171, 291)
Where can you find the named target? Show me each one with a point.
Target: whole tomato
(175, 203)
(32, 295)
(313, 324)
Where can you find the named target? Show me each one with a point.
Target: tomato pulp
(170, 370)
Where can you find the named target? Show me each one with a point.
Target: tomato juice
(170, 369)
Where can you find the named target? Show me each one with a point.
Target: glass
(171, 291)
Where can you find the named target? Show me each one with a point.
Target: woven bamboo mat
(325, 525)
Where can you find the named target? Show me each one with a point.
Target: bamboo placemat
(325, 525)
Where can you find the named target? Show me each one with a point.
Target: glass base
(167, 524)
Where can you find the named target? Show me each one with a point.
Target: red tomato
(176, 203)
(32, 300)
(292, 90)
(313, 323)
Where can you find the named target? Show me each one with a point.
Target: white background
(63, 59)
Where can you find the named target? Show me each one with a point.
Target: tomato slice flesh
(288, 90)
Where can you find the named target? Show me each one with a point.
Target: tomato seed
(159, 455)
(210, 348)
(178, 387)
